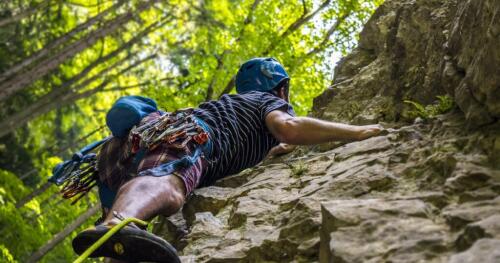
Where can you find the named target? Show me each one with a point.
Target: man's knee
(175, 192)
(168, 191)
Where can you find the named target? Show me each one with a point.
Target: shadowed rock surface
(422, 192)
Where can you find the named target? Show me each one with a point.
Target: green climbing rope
(106, 236)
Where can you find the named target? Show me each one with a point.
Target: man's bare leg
(146, 197)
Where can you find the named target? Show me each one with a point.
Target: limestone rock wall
(418, 49)
(472, 62)
(422, 192)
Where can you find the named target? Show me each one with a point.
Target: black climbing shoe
(128, 244)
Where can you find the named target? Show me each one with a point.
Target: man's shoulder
(252, 99)
(246, 94)
(258, 96)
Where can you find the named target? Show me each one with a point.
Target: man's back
(239, 133)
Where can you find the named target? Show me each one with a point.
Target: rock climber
(152, 169)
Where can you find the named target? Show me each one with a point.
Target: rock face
(423, 192)
(418, 49)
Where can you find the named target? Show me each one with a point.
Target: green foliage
(26, 229)
(298, 168)
(5, 255)
(444, 104)
(11, 188)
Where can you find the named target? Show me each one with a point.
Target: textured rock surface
(472, 67)
(418, 49)
(423, 192)
(379, 230)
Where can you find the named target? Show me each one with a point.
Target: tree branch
(74, 96)
(296, 25)
(229, 85)
(23, 14)
(304, 18)
(57, 42)
(304, 7)
(327, 36)
(220, 58)
(21, 81)
(87, 5)
(145, 83)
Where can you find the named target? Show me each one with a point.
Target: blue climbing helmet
(260, 74)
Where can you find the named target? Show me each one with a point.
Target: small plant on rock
(443, 104)
(298, 168)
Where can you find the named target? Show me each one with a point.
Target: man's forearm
(304, 131)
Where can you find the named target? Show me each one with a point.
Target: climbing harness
(178, 131)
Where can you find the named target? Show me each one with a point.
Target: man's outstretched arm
(306, 131)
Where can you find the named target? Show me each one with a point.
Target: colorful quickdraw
(175, 129)
(78, 175)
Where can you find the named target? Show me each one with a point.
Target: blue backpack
(127, 112)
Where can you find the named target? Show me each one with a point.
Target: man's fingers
(370, 131)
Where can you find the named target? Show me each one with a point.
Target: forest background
(64, 62)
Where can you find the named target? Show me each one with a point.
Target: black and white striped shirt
(239, 134)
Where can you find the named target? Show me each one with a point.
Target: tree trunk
(292, 28)
(35, 257)
(33, 194)
(46, 103)
(58, 42)
(23, 14)
(49, 101)
(21, 81)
